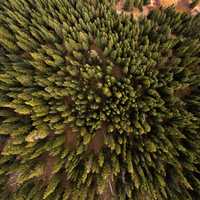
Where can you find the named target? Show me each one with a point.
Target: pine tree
(95, 104)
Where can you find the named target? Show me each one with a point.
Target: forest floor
(180, 6)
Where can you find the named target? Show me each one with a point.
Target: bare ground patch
(70, 138)
(49, 163)
(12, 183)
(96, 49)
(98, 139)
(183, 91)
(117, 71)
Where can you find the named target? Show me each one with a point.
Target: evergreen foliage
(94, 103)
(130, 4)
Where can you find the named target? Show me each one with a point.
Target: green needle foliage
(96, 105)
(130, 4)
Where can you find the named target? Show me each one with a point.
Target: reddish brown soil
(49, 162)
(70, 138)
(183, 6)
(117, 72)
(182, 92)
(98, 139)
(12, 182)
(95, 48)
(68, 101)
(2, 143)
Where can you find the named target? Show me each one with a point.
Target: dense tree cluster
(130, 4)
(96, 105)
